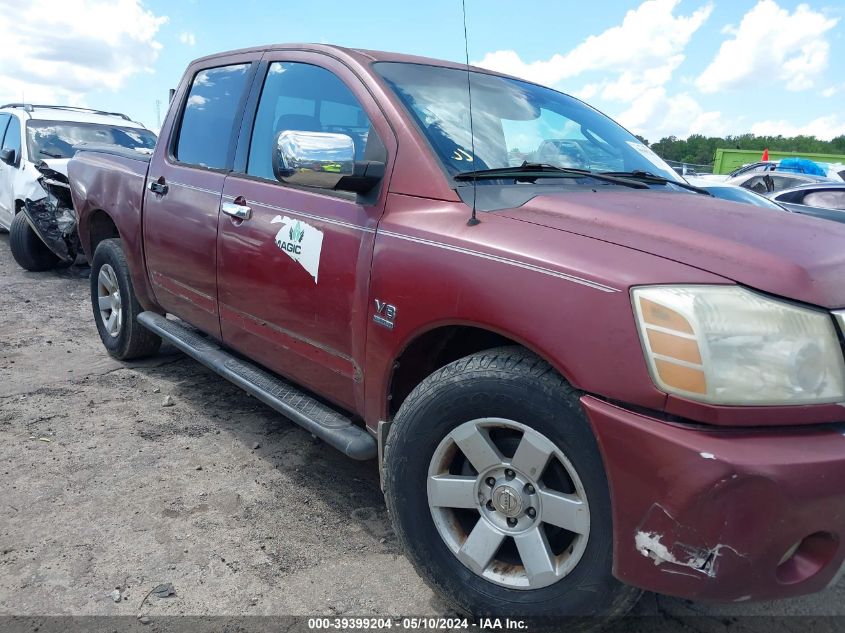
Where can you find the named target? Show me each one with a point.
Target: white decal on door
(301, 241)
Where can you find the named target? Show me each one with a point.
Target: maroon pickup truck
(581, 376)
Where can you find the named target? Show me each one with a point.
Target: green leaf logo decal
(296, 232)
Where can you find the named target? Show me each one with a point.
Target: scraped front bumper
(727, 514)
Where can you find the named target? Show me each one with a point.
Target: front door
(10, 138)
(293, 278)
(182, 199)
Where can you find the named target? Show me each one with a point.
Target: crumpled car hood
(58, 164)
(782, 253)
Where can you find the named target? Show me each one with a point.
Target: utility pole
(158, 112)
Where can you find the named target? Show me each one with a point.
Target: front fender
(564, 296)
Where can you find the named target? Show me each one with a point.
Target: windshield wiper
(654, 179)
(529, 172)
(50, 154)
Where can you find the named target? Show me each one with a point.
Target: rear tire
(27, 248)
(115, 306)
(512, 501)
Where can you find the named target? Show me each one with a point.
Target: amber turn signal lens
(671, 348)
(681, 377)
(685, 349)
(656, 314)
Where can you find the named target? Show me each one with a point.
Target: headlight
(728, 345)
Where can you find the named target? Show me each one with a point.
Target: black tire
(27, 248)
(513, 384)
(132, 340)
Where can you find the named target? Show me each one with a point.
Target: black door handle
(158, 187)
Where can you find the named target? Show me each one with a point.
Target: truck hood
(782, 253)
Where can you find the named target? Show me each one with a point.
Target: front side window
(56, 139)
(4, 121)
(513, 122)
(305, 98)
(210, 116)
(12, 140)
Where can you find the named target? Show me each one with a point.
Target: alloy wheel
(508, 503)
(109, 301)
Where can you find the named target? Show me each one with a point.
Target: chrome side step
(315, 417)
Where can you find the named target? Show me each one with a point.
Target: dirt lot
(102, 487)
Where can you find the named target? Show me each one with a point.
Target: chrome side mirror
(312, 159)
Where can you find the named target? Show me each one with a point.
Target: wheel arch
(439, 344)
(100, 226)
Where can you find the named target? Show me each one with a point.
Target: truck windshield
(514, 122)
(55, 139)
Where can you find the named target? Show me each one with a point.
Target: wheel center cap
(507, 501)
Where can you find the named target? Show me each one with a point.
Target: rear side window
(12, 140)
(211, 115)
(832, 199)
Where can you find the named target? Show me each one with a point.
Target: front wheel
(115, 307)
(27, 248)
(498, 494)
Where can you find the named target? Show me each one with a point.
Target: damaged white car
(35, 204)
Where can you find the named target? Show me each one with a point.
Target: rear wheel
(497, 491)
(115, 307)
(27, 248)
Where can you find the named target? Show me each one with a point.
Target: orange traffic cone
(765, 155)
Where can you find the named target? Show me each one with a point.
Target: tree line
(701, 150)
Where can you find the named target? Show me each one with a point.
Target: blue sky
(660, 66)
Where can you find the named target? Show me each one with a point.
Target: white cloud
(58, 51)
(631, 84)
(639, 56)
(648, 36)
(654, 114)
(771, 42)
(197, 101)
(588, 92)
(824, 128)
(188, 38)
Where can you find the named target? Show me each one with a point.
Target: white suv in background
(34, 133)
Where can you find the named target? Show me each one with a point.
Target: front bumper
(722, 514)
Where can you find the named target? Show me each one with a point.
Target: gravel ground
(103, 488)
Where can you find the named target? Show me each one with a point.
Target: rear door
(293, 278)
(184, 182)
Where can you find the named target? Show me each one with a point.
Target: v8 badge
(385, 314)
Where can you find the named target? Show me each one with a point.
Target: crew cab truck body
(604, 383)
